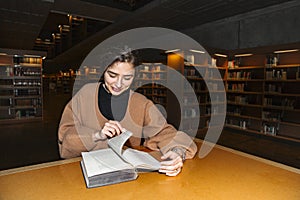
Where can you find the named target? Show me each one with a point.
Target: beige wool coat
(82, 118)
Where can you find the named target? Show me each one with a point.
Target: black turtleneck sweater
(112, 107)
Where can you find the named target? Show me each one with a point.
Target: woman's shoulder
(91, 86)
(87, 89)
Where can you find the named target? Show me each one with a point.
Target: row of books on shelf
(159, 100)
(238, 99)
(270, 62)
(29, 102)
(209, 74)
(19, 71)
(272, 116)
(190, 72)
(279, 74)
(286, 102)
(150, 84)
(29, 60)
(239, 75)
(12, 113)
(201, 86)
(27, 92)
(21, 92)
(27, 82)
(273, 88)
(238, 87)
(193, 112)
(160, 92)
(153, 76)
(150, 91)
(266, 114)
(267, 128)
(196, 85)
(152, 67)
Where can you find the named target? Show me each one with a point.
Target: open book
(115, 165)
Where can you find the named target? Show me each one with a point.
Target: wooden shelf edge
(263, 134)
(23, 119)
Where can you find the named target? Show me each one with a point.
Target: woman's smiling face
(118, 77)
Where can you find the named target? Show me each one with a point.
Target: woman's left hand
(172, 164)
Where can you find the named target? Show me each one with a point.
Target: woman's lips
(116, 89)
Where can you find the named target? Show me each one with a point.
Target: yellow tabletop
(223, 174)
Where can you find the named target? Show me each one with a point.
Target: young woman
(103, 110)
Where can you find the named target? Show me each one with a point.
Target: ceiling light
(3, 54)
(35, 56)
(243, 55)
(196, 51)
(221, 55)
(286, 51)
(171, 51)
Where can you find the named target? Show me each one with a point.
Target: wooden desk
(223, 174)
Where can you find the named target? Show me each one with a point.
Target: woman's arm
(175, 145)
(73, 135)
(162, 136)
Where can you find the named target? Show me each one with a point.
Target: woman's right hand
(111, 129)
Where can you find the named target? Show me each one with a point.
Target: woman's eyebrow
(111, 72)
(128, 75)
(114, 73)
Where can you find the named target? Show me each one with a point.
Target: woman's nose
(119, 82)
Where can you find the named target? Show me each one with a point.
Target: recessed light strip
(196, 51)
(286, 51)
(34, 56)
(171, 51)
(243, 55)
(221, 55)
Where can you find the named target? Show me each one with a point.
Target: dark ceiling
(68, 29)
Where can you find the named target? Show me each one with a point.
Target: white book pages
(140, 159)
(103, 161)
(117, 143)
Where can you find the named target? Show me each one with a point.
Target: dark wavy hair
(126, 56)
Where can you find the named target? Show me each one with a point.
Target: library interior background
(251, 51)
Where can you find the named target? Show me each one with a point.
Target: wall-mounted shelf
(274, 96)
(150, 80)
(21, 94)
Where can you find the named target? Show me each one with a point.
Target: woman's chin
(116, 93)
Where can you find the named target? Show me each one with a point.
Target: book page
(103, 161)
(140, 159)
(117, 143)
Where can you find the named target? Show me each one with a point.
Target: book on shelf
(115, 165)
